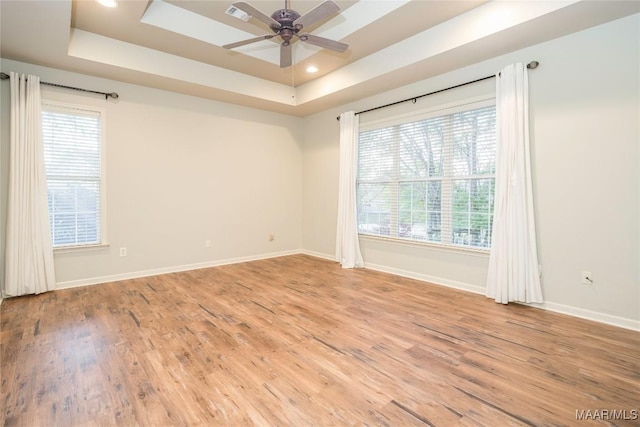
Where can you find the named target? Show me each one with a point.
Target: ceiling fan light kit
(287, 23)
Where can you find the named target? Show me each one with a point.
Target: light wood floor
(297, 341)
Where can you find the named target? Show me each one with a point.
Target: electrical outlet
(123, 251)
(587, 278)
(207, 243)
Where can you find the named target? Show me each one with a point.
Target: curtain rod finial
(533, 65)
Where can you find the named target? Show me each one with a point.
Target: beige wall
(182, 170)
(585, 151)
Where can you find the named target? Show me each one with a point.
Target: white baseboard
(582, 313)
(318, 255)
(621, 322)
(595, 316)
(426, 278)
(165, 270)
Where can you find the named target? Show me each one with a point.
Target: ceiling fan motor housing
(286, 18)
(287, 23)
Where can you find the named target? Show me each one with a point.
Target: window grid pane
(430, 180)
(72, 148)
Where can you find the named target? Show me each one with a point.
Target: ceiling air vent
(237, 13)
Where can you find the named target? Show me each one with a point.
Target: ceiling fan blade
(246, 7)
(318, 13)
(285, 55)
(323, 42)
(248, 41)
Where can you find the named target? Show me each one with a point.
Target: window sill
(483, 253)
(83, 248)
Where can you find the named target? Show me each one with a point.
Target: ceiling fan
(288, 23)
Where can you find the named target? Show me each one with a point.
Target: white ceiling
(176, 44)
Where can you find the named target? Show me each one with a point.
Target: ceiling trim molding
(105, 50)
(478, 23)
(481, 22)
(460, 37)
(190, 24)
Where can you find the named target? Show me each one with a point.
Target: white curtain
(513, 264)
(29, 256)
(347, 244)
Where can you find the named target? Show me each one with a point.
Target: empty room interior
(320, 213)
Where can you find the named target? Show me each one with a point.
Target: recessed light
(108, 3)
(312, 69)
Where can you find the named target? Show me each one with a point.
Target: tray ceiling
(176, 45)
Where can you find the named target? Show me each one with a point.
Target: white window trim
(430, 112)
(401, 241)
(50, 104)
(425, 113)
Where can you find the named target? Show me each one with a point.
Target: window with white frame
(430, 177)
(73, 150)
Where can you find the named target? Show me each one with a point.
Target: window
(73, 148)
(430, 178)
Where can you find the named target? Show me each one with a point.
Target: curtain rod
(113, 95)
(531, 65)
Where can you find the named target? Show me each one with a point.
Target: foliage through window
(72, 139)
(431, 178)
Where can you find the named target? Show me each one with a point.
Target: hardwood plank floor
(300, 341)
